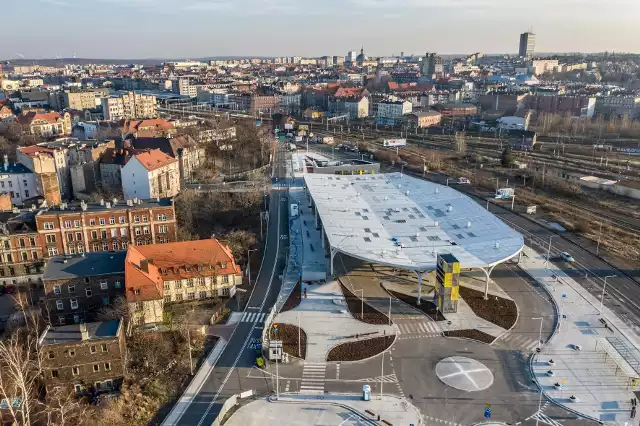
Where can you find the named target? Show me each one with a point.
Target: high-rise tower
(527, 44)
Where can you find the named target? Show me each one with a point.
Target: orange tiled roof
(34, 149)
(171, 261)
(154, 159)
(348, 92)
(51, 117)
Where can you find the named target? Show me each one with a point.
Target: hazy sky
(198, 28)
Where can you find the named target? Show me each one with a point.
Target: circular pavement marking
(464, 373)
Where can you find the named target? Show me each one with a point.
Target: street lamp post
(604, 287)
(249, 264)
(540, 333)
(546, 263)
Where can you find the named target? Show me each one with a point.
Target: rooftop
(154, 159)
(405, 222)
(89, 264)
(72, 333)
(118, 205)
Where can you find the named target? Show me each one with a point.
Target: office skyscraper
(527, 44)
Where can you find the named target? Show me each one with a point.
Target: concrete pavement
(332, 409)
(585, 367)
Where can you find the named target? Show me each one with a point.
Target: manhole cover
(464, 373)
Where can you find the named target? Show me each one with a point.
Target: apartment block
(129, 105)
(178, 272)
(110, 225)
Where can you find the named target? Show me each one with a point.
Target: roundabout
(464, 374)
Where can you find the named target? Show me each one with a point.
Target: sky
(187, 29)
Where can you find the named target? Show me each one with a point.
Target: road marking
(313, 378)
(240, 353)
(286, 388)
(337, 371)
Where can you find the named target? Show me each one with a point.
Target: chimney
(83, 331)
(144, 265)
(6, 162)
(102, 202)
(108, 205)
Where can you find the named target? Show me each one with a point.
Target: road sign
(488, 405)
(487, 413)
(564, 295)
(564, 381)
(275, 326)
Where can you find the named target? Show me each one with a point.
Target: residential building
(150, 174)
(129, 105)
(86, 357)
(541, 66)
(46, 124)
(6, 113)
(618, 105)
(110, 225)
(189, 154)
(77, 99)
(45, 159)
(177, 272)
(393, 110)
(111, 164)
(421, 120)
(21, 260)
(151, 128)
(18, 182)
(47, 166)
(263, 103)
(353, 102)
(77, 286)
(527, 44)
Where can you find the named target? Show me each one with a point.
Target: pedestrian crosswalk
(253, 316)
(313, 376)
(518, 340)
(419, 328)
(544, 419)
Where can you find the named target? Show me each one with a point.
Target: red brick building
(109, 226)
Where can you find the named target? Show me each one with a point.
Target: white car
(566, 257)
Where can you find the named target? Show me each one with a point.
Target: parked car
(464, 180)
(566, 257)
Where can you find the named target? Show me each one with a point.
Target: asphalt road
(227, 378)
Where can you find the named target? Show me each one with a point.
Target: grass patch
(427, 307)
(477, 335)
(499, 311)
(366, 313)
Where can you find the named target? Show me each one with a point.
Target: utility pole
(382, 372)
(599, 236)
(190, 357)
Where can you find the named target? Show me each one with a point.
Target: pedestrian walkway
(590, 362)
(253, 317)
(421, 328)
(313, 377)
(519, 340)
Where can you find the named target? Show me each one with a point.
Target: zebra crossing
(544, 419)
(313, 376)
(418, 329)
(253, 317)
(520, 341)
(387, 378)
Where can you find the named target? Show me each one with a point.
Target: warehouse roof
(405, 222)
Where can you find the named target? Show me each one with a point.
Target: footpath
(591, 364)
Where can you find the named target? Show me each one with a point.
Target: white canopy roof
(405, 222)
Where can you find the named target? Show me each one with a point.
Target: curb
(272, 400)
(339, 280)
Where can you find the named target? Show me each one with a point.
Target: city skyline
(143, 29)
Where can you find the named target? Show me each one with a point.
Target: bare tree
(20, 371)
(119, 309)
(63, 408)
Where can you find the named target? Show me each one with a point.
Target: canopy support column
(419, 275)
(333, 254)
(487, 273)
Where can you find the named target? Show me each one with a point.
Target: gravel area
(354, 304)
(294, 298)
(288, 333)
(363, 349)
(471, 334)
(502, 312)
(425, 306)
